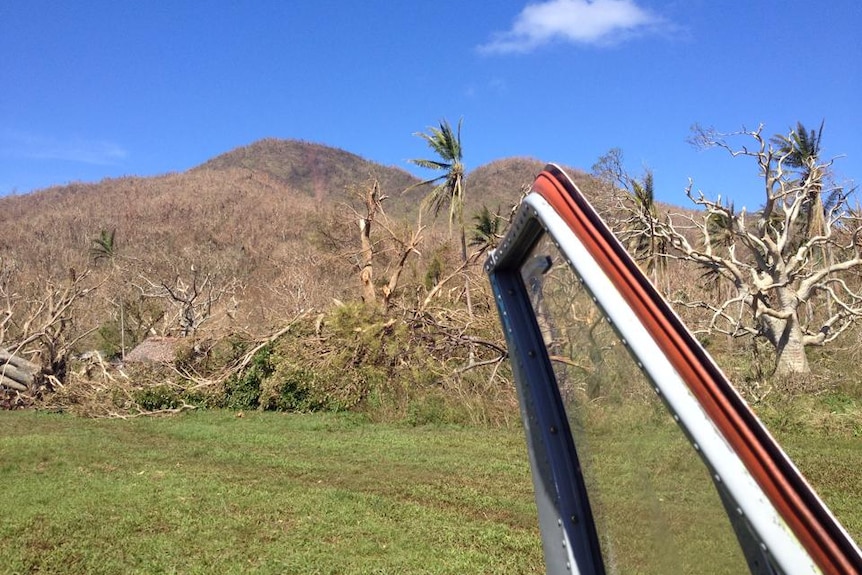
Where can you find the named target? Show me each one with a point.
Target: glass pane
(655, 507)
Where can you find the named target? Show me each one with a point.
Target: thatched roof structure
(154, 350)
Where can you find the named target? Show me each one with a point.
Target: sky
(103, 89)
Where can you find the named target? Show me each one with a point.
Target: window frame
(780, 522)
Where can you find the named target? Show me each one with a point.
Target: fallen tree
(16, 372)
(38, 332)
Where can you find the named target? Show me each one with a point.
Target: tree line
(785, 274)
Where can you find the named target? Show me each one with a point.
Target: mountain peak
(312, 169)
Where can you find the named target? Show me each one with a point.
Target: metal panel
(786, 524)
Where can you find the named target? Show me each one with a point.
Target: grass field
(212, 492)
(266, 493)
(656, 506)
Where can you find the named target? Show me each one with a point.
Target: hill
(317, 171)
(324, 173)
(271, 226)
(501, 182)
(231, 250)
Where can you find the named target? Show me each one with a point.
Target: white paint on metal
(765, 520)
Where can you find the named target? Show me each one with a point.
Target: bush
(157, 397)
(290, 388)
(242, 391)
(430, 409)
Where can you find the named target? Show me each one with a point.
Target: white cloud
(575, 21)
(79, 150)
(493, 86)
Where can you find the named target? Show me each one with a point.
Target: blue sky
(104, 88)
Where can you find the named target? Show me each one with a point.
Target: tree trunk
(467, 298)
(15, 372)
(19, 362)
(366, 273)
(12, 384)
(790, 352)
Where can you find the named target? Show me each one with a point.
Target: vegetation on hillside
(288, 275)
(219, 260)
(313, 170)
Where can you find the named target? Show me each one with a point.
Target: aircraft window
(653, 501)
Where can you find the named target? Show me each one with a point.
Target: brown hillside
(317, 171)
(238, 227)
(499, 184)
(251, 220)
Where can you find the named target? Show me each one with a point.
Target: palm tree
(644, 243)
(104, 246)
(801, 149)
(486, 230)
(801, 146)
(720, 231)
(449, 188)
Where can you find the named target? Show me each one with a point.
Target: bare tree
(38, 331)
(772, 259)
(193, 299)
(373, 200)
(402, 245)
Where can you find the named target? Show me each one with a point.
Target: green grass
(265, 493)
(656, 507)
(655, 504)
(211, 492)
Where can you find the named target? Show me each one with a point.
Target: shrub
(430, 409)
(290, 388)
(109, 340)
(242, 391)
(157, 397)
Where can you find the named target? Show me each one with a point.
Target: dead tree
(38, 332)
(399, 243)
(193, 299)
(778, 264)
(373, 204)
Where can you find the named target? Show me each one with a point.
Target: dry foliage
(224, 253)
(257, 237)
(790, 268)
